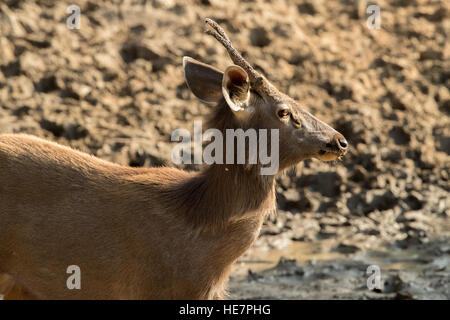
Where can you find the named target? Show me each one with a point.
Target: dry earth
(115, 89)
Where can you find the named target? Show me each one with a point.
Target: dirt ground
(115, 89)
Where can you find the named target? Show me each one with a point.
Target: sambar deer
(149, 233)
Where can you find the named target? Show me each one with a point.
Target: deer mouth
(325, 155)
(333, 150)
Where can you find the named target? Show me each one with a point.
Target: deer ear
(236, 88)
(204, 80)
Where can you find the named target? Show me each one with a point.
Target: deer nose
(338, 143)
(342, 143)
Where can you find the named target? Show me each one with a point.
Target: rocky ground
(115, 89)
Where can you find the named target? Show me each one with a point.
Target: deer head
(248, 100)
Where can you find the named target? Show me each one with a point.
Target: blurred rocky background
(115, 89)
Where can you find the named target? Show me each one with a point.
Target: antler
(255, 78)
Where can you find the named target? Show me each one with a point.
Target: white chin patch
(329, 156)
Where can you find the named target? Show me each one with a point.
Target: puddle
(387, 257)
(258, 259)
(322, 272)
(412, 259)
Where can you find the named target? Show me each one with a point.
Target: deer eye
(283, 113)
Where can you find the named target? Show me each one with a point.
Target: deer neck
(246, 191)
(237, 199)
(223, 208)
(224, 194)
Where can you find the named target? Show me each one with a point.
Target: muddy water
(303, 270)
(304, 252)
(260, 259)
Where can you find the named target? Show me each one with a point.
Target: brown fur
(135, 233)
(155, 233)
